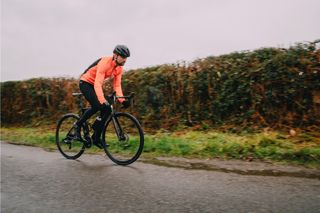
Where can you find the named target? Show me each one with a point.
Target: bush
(269, 87)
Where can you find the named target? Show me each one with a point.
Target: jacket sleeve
(117, 85)
(101, 70)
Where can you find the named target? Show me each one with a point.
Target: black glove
(125, 104)
(106, 107)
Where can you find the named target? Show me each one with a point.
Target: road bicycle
(122, 137)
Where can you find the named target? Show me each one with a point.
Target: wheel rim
(127, 147)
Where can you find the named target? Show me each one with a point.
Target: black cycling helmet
(122, 50)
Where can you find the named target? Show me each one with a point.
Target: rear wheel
(65, 137)
(124, 138)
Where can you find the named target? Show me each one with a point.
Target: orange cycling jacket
(100, 70)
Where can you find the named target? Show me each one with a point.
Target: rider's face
(120, 60)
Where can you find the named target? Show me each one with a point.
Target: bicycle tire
(62, 141)
(119, 151)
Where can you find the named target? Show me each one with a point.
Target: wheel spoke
(65, 138)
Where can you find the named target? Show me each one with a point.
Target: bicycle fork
(118, 129)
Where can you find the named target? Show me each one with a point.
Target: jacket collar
(113, 63)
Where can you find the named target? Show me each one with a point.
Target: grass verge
(303, 149)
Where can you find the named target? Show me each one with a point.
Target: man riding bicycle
(90, 84)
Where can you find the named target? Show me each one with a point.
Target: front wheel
(124, 138)
(69, 147)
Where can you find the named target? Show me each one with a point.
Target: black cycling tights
(89, 93)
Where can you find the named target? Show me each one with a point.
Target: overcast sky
(54, 38)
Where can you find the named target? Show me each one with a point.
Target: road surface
(34, 180)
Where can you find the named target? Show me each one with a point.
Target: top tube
(111, 98)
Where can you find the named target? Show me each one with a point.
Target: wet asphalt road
(34, 180)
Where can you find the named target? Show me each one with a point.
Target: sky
(61, 38)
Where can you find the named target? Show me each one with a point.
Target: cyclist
(90, 84)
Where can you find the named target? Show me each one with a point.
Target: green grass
(271, 146)
(44, 138)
